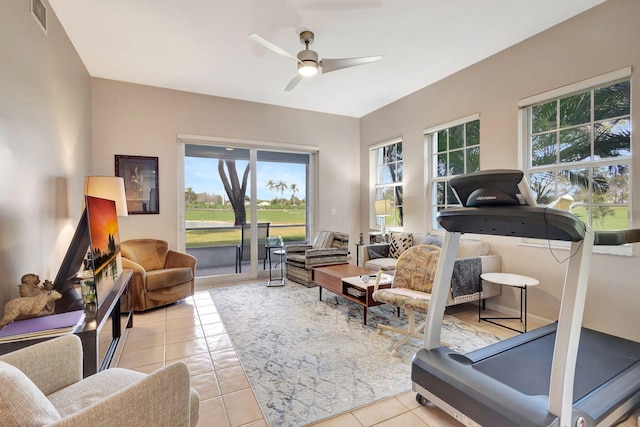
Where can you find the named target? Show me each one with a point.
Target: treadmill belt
(527, 367)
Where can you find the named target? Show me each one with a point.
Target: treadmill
(559, 375)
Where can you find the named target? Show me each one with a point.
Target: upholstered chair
(415, 272)
(328, 248)
(161, 276)
(42, 385)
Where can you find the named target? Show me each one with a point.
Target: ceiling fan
(307, 59)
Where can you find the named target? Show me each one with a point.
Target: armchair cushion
(168, 277)
(21, 402)
(149, 253)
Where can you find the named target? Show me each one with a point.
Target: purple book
(42, 324)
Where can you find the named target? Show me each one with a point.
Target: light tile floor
(192, 331)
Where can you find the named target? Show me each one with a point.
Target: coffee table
(344, 280)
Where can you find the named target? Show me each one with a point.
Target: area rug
(308, 359)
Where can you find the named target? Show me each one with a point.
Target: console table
(102, 329)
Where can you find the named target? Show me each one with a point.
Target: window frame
(431, 180)
(374, 222)
(577, 88)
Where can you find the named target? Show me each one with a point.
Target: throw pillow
(430, 239)
(378, 251)
(21, 402)
(400, 242)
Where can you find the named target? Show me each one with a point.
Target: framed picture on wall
(140, 183)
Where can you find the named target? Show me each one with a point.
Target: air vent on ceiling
(39, 12)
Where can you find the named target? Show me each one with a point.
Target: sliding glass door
(236, 197)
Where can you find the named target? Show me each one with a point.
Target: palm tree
(282, 186)
(190, 196)
(294, 190)
(271, 185)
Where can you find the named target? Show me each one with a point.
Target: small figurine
(27, 307)
(31, 287)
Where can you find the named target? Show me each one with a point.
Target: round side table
(516, 281)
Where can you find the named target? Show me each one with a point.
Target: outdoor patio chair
(243, 252)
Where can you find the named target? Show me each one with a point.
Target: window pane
(473, 159)
(442, 165)
(574, 183)
(543, 187)
(612, 139)
(575, 144)
(544, 117)
(575, 110)
(544, 150)
(388, 153)
(612, 101)
(456, 137)
(456, 162)
(611, 184)
(399, 151)
(397, 172)
(473, 133)
(452, 199)
(439, 189)
(441, 140)
(610, 187)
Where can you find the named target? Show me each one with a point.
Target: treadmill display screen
(498, 187)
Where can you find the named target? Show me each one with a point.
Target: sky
(201, 174)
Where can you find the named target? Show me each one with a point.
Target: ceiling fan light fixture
(308, 69)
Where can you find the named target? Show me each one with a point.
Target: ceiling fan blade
(329, 65)
(293, 83)
(266, 43)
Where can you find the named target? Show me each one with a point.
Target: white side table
(515, 281)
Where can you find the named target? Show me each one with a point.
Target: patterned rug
(308, 359)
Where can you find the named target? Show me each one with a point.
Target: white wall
(45, 150)
(130, 119)
(600, 40)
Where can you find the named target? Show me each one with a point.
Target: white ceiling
(202, 46)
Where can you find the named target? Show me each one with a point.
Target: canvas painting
(105, 244)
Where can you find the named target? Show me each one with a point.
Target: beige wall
(45, 144)
(603, 39)
(131, 119)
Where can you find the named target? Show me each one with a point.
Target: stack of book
(43, 327)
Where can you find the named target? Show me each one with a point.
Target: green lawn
(225, 237)
(618, 221)
(264, 215)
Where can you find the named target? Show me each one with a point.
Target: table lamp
(383, 209)
(107, 187)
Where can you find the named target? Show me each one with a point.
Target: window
(578, 152)
(454, 149)
(387, 161)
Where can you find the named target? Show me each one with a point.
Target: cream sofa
(468, 250)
